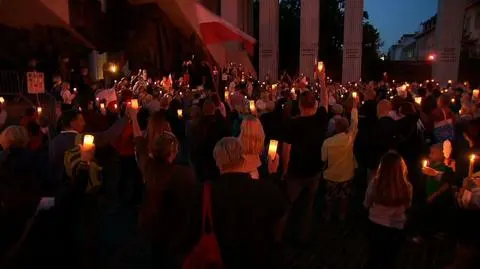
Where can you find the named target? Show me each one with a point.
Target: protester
(252, 138)
(302, 147)
(388, 196)
(337, 154)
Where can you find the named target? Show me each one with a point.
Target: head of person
(436, 153)
(195, 112)
(252, 136)
(341, 125)
(443, 101)
(157, 124)
(307, 104)
(72, 120)
(337, 109)
(228, 155)
(383, 108)
(208, 108)
(391, 186)
(165, 147)
(14, 136)
(66, 86)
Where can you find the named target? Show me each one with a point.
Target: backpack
(206, 254)
(72, 159)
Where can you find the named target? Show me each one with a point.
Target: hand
(132, 112)
(87, 154)
(273, 164)
(430, 171)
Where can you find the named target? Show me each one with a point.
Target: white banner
(35, 82)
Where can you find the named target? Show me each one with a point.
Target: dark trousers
(384, 245)
(130, 185)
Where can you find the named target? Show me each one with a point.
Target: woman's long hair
(391, 186)
(157, 124)
(252, 136)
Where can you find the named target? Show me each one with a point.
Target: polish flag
(216, 30)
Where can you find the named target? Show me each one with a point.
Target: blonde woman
(252, 138)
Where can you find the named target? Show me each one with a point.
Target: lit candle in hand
(424, 163)
(88, 142)
(39, 110)
(472, 158)
(418, 100)
(272, 149)
(354, 95)
(252, 106)
(2, 100)
(227, 95)
(476, 92)
(134, 103)
(180, 113)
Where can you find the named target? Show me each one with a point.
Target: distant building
(422, 44)
(425, 39)
(404, 50)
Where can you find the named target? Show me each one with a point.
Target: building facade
(404, 50)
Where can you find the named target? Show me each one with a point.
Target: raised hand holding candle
(252, 106)
(272, 149)
(39, 110)
(227, 95)
(180, 113)
(475, 93)
(320, 66)
(354, 95)
(472, 158)
(418, 100)
(424, 163)
(134, 103)
(2, 100)
(452, 100)
(88, 142)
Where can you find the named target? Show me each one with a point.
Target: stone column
(352, 45)
(230, 11)
(448, 35)
(309, 31)
(269, 12)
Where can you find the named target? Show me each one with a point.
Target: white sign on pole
(35, 82)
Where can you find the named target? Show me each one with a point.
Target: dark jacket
(20, 191)
(206, 133)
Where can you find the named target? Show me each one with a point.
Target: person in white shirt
(388, 196)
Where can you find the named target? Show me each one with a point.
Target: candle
(292, 90)
(39, 110)
(134, 103)
(97, 99)
(393, 81)
(272, 149)
(320, 66)
(88, 142)
(226, 95)
(475, 93)
(75, 89)
(354, 95)
(418, 100)
(252, 106)
(472, 158)
(102, 106)
(449, 81)
(453, 100)
(2, 100)
(424, 163)
(115, 106)
(180, 113)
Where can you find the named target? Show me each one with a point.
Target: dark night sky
(393, 18)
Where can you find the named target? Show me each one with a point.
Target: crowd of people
(214, 173)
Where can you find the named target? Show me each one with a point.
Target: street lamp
(432, 57)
